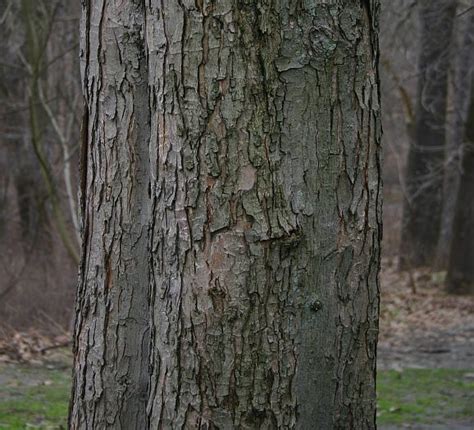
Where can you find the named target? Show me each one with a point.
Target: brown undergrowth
(415, 303)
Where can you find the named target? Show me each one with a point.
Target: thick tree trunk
(424, 173)
(231, 208)
(460, 278)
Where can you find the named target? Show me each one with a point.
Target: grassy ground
(36, 397)
(33, 397)
(425, 396)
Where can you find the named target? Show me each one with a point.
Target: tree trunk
(231, 204)
(455, 136)
(18, 164)
(460, 277)
(424, 175)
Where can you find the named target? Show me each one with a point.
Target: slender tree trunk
(460, 278)
(231, 204)
(424, 175)
(18, 165)
(38, 22)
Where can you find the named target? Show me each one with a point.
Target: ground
(425, 354)
(425, 362)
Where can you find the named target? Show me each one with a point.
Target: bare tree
(425, 167)
(18, 162)
(38, 32)
(460, 84)
(40, 103)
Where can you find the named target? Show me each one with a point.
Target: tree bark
(460, 277)
(231, 202)
(424, 174)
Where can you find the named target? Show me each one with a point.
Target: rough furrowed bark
(231, 216)
(112, 318)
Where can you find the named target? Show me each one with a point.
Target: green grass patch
(425, 396)
(33, 397)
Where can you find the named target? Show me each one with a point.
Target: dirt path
(452, 348)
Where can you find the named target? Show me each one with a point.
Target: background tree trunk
(455, 136)
(460, 278)
(231, 204)
(18, 164)
(424, 174)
